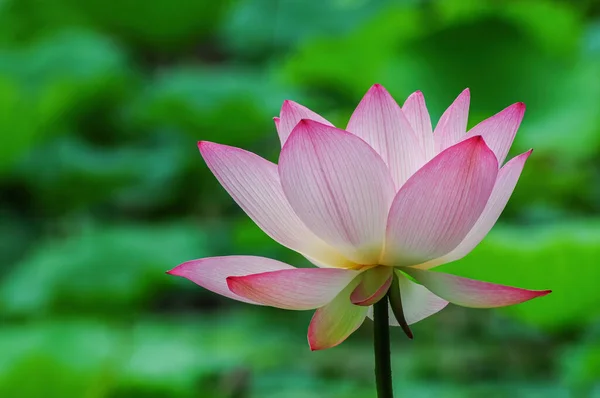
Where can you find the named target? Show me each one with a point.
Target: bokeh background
(102, 190)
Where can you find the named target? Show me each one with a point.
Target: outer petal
(438, 206)
(339, 187)
(381, 123)
(503, 189)
(418, 303)
(499, 130)
(291, 113)
(293, 289)
(452, 125)
(472, 293)
(253, 183)
(211, 273)
(374, 284)
(416, 112)
(333, 323)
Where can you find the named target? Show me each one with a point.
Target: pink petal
(452, 126)
(436, 208)
(503, 189)
(211, 273)
(499, 130)
(418, 303)
(416, 112)
(339, 187)
(373, 286)
(293, 289)
(253, 183)
(472, 293)
(381, 123)
(291, 113)
(333, 323)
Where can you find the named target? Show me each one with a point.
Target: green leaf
(228, 105)
(112, 269)
(45, 86)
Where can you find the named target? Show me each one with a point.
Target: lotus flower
(374, 207)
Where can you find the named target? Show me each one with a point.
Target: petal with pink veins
(333, 323)
(499, 130)
(379, 120)
(437, 207)
(452, 126)
(374, 284)
(416, 112)
(339, 187)
(503, 188)
(253, 183)
(211, 272)
(291, 113)
(293, 289)
(470, 292)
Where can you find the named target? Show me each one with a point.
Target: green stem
(383, 365)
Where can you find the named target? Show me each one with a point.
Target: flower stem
(383, 365)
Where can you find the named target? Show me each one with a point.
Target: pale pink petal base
(211, 272)
(333, 323)
(472, 293)
(418, 302)
(293, 289)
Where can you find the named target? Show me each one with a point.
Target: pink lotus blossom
(386, 195)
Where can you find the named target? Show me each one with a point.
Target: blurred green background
(102, 190)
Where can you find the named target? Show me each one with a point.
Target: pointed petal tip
(205, 145)
(288, 105)
(177, 271)
(313, 346)
(319, 346)
(518, 108)
(464, 96)
(417, 94)
(377, 88)
(477, 141)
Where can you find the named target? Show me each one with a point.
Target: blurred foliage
(102, 190)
